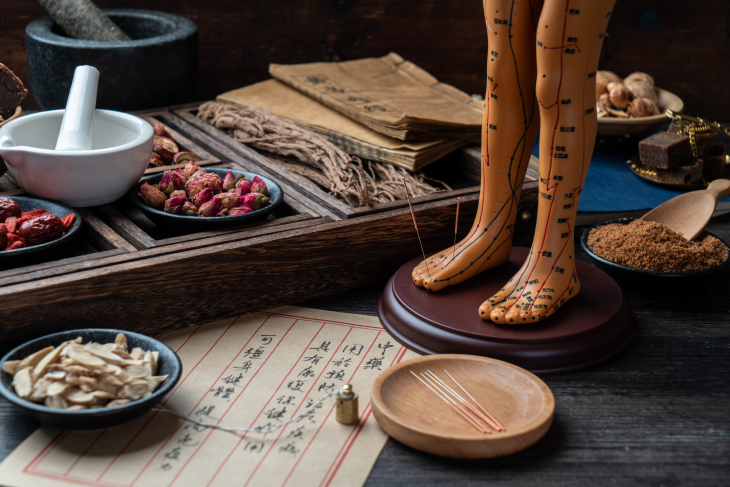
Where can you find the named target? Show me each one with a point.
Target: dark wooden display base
(590, 328)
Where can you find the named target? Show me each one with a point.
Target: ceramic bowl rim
(142, 138)
(139, 202)
(164, 388)
(642, 272)
(73, 231)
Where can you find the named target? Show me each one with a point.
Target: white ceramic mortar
(118, 157)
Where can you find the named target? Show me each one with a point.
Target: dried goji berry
(11, 222)
(68, 221)
(16, 245)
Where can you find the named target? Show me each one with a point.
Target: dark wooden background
(684, 44)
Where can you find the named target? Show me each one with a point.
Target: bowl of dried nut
(87, 379)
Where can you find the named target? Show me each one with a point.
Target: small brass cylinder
(347, 411)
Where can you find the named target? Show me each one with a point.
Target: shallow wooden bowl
(634, 126)
(412, 414)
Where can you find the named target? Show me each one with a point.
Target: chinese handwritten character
(173, 454)
(315, 80)
(196, 427)
(326, 388)
(289, 448)
(342, 362)
(285, 401)
(186, 440)
(205, 411)
(295, 385)
(266, 339)
(353, 350)
(297, 433)
(254, 446)
(374, 363)
(256, 355)
(314, 359)
(333, 374)
(233, 380)
(325, 347)
(384, 347)
(273, 413)
(308, 372)
(244, 366)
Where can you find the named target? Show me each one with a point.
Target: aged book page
(390, 95)
(255, 370)
(350, 136)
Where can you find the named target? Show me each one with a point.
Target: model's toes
(434, 284)
(499, 313)
(417, 278)
(512, 317)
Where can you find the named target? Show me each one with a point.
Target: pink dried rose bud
(259, 186)
(210, 208)
(223, 212)
(189, 209)
(229, 199)
(254, 201)
(243, 186)
(152, 196)
(239, 210)
(179, 192)
(175, 205)
(203, 197)
(182, 174)
(229, 182)
(171, 181)
(212, 181)
(191, 168)
(193, 187)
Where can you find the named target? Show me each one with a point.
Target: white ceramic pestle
(75, 134)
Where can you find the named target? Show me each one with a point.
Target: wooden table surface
(658, 414)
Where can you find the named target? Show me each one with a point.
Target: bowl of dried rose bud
(640, 252)
(87, 379)
(193, 198)
(32, 225)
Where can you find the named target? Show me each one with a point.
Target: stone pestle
(82, 19)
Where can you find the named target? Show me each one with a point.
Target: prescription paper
(256, 370)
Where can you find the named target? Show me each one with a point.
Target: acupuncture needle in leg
(446, 394)
(475, 401)
(489, 422)
(415, 225)
(447, 402)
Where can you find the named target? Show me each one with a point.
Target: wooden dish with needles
(412, 413)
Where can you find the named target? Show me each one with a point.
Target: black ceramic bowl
(629, 275)
(28, 203)
(197, 223)
(168, 364)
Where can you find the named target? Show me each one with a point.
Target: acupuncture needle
(475, 401)
(487, 420)
(440, 389)
(463, 415)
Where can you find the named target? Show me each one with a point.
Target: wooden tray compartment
(130, 274)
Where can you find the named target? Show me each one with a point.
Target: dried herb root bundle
(313, 157)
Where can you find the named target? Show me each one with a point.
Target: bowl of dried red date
(88, 379)
(634, 251)
(33, 225)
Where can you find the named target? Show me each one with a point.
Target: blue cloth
(612, 187)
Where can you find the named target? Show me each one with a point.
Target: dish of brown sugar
(651, 246)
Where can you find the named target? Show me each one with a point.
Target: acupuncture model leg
(569, 38)
(509, 130)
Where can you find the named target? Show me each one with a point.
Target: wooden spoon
(687, 214)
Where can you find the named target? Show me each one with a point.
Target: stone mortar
(158, 67)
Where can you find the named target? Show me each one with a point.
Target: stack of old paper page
(352, 137)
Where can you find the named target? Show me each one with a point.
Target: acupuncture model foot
(569, 38)
(509, 130)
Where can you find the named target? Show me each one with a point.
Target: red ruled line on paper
(309, 443)
(233, 450)
(42, 454)
(271, 447)
(360, 426)
(240, 393)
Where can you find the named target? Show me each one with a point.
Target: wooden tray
(127, 273)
